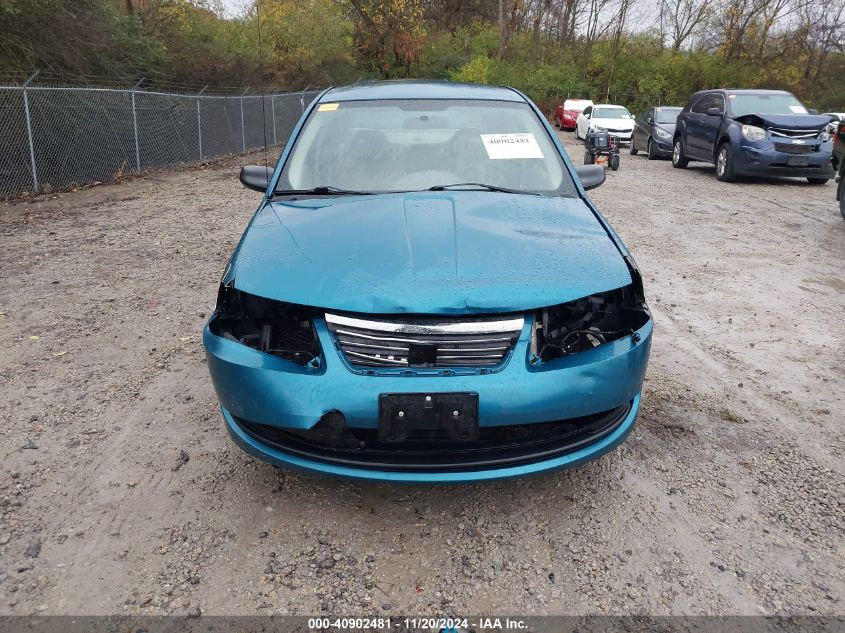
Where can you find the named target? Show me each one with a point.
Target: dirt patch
(726, 498)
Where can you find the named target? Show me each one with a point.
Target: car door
(583, 121)
(710, 125)
(702, 134)
(639, 137)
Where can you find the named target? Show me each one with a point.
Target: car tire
(633, 149)
(613, 162)
(679, 160)
(589, 159)
(817, 181)
(652, 152)
(724, 163)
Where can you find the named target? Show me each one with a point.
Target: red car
(566, 114)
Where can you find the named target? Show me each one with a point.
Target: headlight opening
(273, 327)
(586, 323)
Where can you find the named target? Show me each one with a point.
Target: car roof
(414, 89)
(758, 91)
(609, 105)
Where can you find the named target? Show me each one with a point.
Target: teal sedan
(426, 294)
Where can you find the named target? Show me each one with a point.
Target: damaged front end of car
(273, 327)
(584, 324)
(294, 393)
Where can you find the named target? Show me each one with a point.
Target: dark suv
(753, 132)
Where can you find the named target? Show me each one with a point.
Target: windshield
(666, 115)
(611, 113)
(742, 104)
(412, 145)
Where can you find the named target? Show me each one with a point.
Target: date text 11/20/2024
(446, 625)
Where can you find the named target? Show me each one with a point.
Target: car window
(644, 115)
(666, 115)
(709, 101)
(761, 103)
(412, 145)
(587, 111)
(611, 113)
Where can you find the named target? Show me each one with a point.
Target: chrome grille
(790, 133)
(425, 342)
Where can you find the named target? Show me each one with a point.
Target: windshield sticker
(327, 107)
(799, 109)
(500, 146)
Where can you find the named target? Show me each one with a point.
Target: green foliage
(318, 42)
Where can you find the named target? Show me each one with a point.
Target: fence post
(243, 129)
(135, 128)
(273, 116)
(199, 121)
(29, 130)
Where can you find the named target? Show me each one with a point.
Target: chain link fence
(58, 137)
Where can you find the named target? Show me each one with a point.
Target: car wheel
(817, 181)
(678, 159)
(589, 159)
(652, 152)
(613, 162)
(724, 163)
(633, 149)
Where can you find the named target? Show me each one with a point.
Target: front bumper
(624, 136)
(569, 121)
(262, 389)
(283, 459)
(663, 146)
(762, 159)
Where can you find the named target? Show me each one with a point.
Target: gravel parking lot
(120, 491)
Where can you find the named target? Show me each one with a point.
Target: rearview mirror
(591, 176)
(256, 177)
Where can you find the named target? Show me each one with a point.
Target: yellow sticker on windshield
(327, 107)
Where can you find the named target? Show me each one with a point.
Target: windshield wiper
(482, 186)
(324, 190)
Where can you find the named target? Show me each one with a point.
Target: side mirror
(591, 176)
(812, 111)
(714, 112)
(256, 177)
(650, 121)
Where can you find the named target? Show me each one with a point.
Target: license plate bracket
(797, 161)
(399, 414)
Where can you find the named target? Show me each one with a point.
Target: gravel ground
(120, 492)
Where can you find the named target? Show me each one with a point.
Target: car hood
(791, 121)
(666, 127)
(614, 124)
(427, 253)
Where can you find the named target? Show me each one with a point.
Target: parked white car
(613, 118)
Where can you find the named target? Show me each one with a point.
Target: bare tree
(683, 19)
